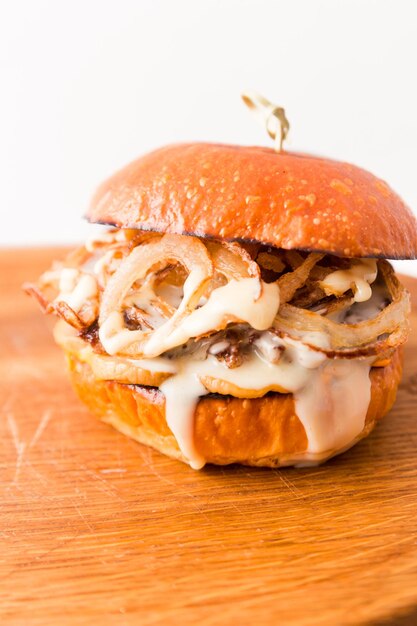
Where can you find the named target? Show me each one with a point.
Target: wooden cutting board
(97, 529)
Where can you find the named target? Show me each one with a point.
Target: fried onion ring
(156, 255)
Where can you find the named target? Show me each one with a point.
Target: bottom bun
(261, 431)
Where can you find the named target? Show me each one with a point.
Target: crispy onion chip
(33, 290)
(292, 281)
(271, 262)
(77, 300)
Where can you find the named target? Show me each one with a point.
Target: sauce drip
(332, 416)
(239, 300)
(359, 277)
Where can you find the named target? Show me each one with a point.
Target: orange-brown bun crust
(261, 431)
(255, 194)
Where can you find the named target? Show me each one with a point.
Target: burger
(237, 305)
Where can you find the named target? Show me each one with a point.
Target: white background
(87, 85)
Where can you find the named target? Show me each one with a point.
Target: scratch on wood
(82, 516)
(297, 492)
(179, 491)
(60, 544)
(101, 483)
(20, 446)
(9, 401)
(46, 416)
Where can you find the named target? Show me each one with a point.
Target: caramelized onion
(231, 260)
(63, 310)
(271, 262)
(290, 282)
(293, 258)
(386, 330)
(34, 290)
(77, 299)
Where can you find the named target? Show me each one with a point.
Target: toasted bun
(255, 194)
(262, 431)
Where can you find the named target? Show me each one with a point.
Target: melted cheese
(332, 416)
(74, 289)
(68, 277)
(182, 393)
(331, 396)
(236, 301)
(145, 300)
(170, 294)
(322, 387)
(358, 277)
(332, 406)
(361, 311)
(114, 335)
(218, 347)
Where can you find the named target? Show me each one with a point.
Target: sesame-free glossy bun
(283, 199)
(262, 431)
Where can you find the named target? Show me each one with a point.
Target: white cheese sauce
(331, 396)
(322, 387)
(75, 289)
(332, 406)
(369, 309)
(358, 277)
(182, 392)
(144, 300)
(236, 301)
(331, 414)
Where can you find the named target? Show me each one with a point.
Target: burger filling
(198, 316)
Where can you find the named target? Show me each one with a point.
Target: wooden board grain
(97, 529)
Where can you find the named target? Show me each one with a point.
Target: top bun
(283, 199)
